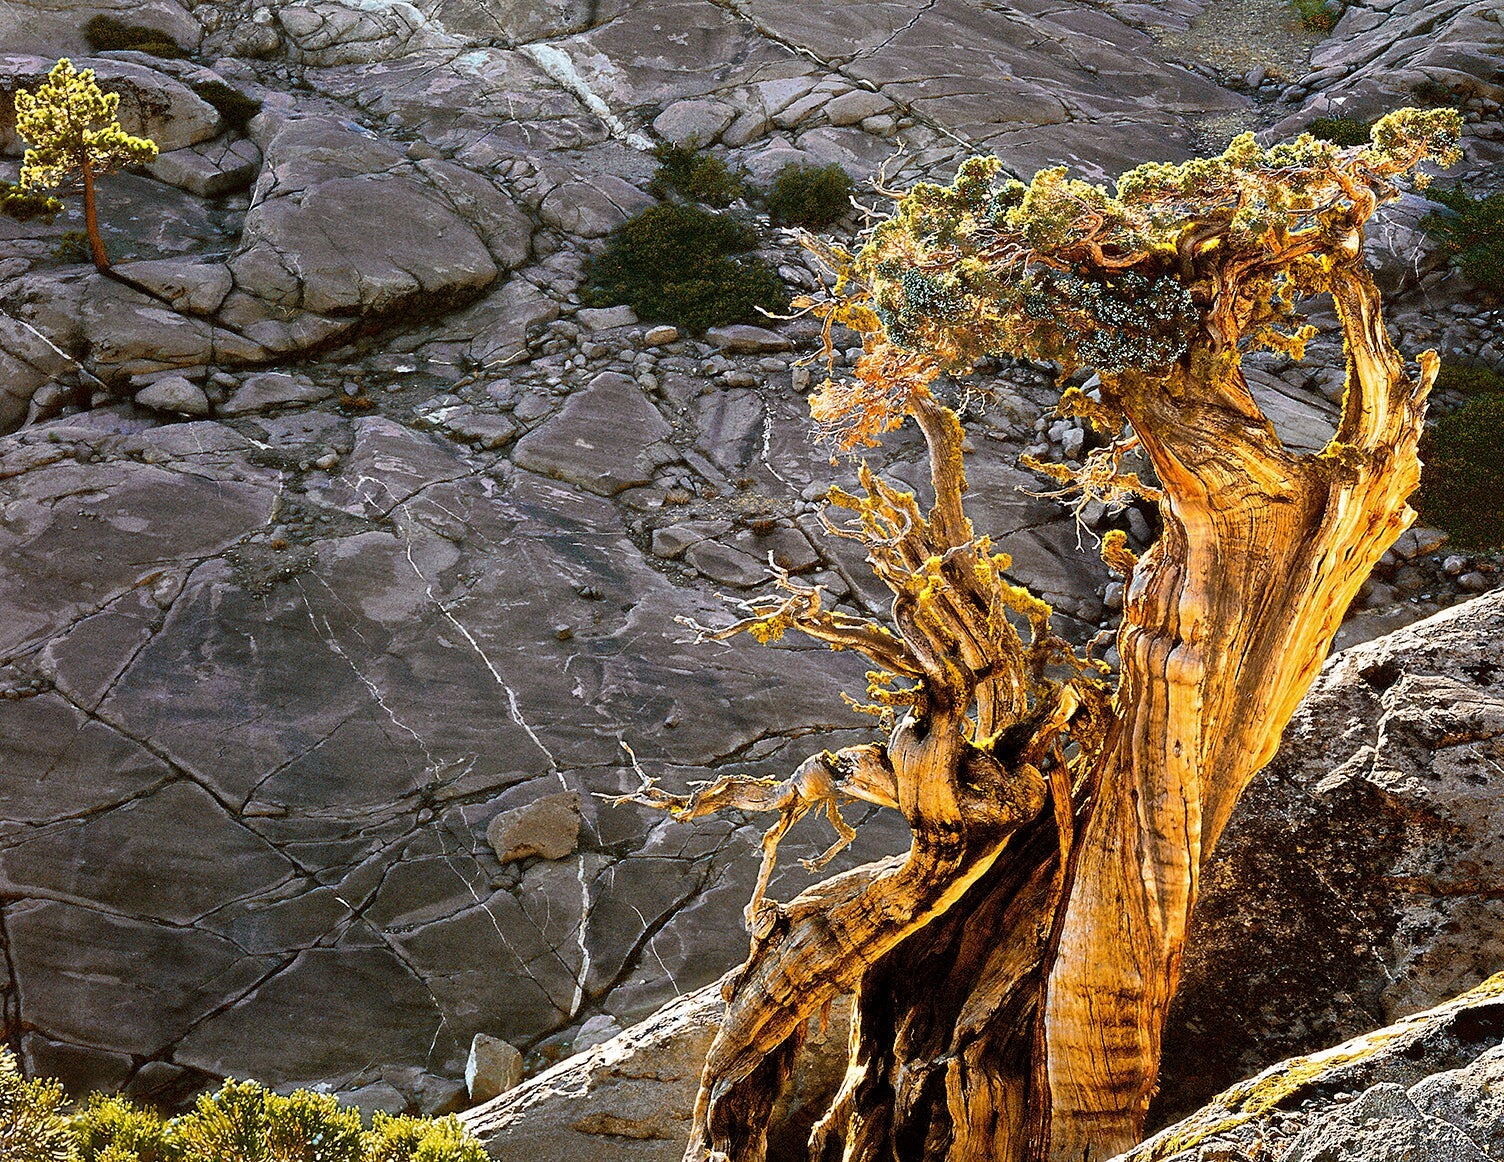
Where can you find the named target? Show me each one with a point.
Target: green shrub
(23, 205)
(71, 246)
(810, 196)
(234, 106)
(111, 1129)
(1343, 131)
(1314, 15)
(106, 34)
(1474, 237)
(683, 265)
(700, 177)
(1468, 380)
(31, 1128)
(1433, 95)
(421, 1140)
(243, 1122)
(246, 1123)
(1462, 484)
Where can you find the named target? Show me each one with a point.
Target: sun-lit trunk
(91, 221)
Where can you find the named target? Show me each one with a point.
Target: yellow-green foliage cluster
(242, 1122)
(1064, 269)
(70, 123)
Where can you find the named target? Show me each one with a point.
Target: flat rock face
(607, 438)
(1356, 880)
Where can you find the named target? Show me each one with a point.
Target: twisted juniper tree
(1013, 969)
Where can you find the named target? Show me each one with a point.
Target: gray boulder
(343, 224)
(152, 103)
(1356, 879)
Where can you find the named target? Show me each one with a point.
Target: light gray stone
(548, 828)
(195, 288)
(698, 122)
(726, 565)
(606, 439)
(661, 335)
(605, 318)
(173, 393)
(271, 389)
(494, 1067)
(591, 208)
(210, 169)
(743, 337)
(855, 106)
(489, 431)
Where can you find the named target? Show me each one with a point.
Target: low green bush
(1314, 15)
(234, 106)
(700, 177)
(242, 1122)
(810, 196)
(687, 266)
(106, 34)
(1462, 483)
(1468, 380)
(1473, 234)
(1343, 131)
(23, 205)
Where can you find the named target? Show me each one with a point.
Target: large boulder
(342, 224)
(1358, 879)
(56, 27)
(152, 103)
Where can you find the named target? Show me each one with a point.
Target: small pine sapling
(71, 126)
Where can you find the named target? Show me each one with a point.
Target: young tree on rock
(71, 126)
(1013, 969)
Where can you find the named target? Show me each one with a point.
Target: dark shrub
(1462, 484)
(1468, 380)
(700, 177)
(106, 34)
(684, 265)
(1473, 234)
(1343, 131)
(23, 205)
(810, 196)
(234, 106)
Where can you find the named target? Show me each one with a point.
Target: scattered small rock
(547, 827)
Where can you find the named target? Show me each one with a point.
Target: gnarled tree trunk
(1013, 970)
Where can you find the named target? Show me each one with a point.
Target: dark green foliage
(810, 196)
(23, 205)
(234, 106)
(1314, 15)
(1343, 131)
(31, 1128)
(1473, 234)
(1468, 380)
(71, 246)
(1462, 484)
(700, 177)
(106, 34)
(683, 265)
(1433, 94)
